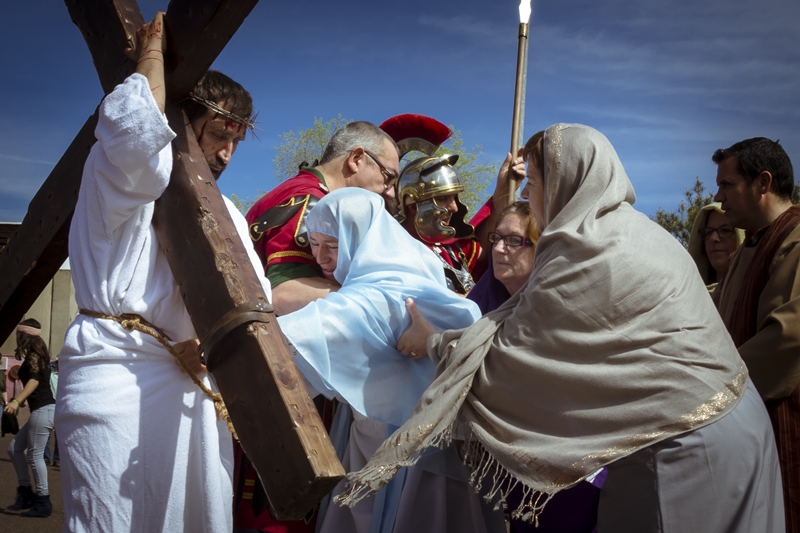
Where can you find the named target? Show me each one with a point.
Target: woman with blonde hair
(712, 242)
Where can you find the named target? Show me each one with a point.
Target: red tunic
(280, 245)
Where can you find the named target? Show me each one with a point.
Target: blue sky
(668, 82)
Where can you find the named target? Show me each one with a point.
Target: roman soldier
(428, 205)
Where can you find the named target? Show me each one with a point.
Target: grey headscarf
(611, 346)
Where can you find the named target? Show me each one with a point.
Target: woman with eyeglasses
(513, 243)
(712, 242)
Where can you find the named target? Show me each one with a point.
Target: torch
(518, 119)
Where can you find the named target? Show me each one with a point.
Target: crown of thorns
(249, 123)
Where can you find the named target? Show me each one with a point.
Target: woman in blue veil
(345, 343)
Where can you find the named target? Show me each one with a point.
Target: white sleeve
(242, 229)
(135, 138)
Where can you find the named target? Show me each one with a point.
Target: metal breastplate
(458, 277)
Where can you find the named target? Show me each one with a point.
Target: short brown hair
(534, 149)
(523, 209)
(756, 155)
(216, 87)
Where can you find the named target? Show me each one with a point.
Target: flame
(524, 11)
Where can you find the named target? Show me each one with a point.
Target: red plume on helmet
(416, 132)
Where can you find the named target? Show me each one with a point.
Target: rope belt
(131, 321)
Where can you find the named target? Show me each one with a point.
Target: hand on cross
(187, 350)
(151, 43)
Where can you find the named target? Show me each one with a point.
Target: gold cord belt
(131, 321)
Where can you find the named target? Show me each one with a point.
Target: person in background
(513, 250)
(35, 376)
(711, 244)
(512, 253)
(759, 299)
(3, 394)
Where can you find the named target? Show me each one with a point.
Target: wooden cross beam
(277, 424)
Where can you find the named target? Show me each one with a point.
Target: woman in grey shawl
(612, 354)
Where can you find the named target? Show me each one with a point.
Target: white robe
(142, 449)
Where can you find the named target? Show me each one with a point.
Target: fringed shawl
(612, 345)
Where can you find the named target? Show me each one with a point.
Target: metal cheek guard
(428, 222)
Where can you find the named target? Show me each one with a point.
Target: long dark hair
(32, 347)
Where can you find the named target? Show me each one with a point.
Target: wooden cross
(276, 421)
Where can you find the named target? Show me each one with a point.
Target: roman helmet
(427, 178)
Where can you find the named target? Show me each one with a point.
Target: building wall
(55, 309)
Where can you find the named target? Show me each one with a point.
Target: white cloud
(27, 160)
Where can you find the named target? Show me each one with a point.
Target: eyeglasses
(510, 240)
(388, 176)
(724, 232)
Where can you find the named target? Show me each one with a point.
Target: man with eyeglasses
(428, 206)
(759, 299)
(358, 155)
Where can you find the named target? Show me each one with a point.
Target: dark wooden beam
(196, 34)
(108, 26)
(37, 250)
(252, 366)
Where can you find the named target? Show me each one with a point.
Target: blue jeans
(33, 436)
(56, 458)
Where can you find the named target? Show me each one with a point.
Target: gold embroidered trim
(474, 255)
(289, 253)
(300, 221)
(688, 422)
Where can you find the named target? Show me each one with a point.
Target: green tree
(244, 204)
(679, 222)
(304, 145)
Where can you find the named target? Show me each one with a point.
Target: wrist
(15, 401)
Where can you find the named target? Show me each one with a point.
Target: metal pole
(519, 102)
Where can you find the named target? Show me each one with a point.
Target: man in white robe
(142, 448)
